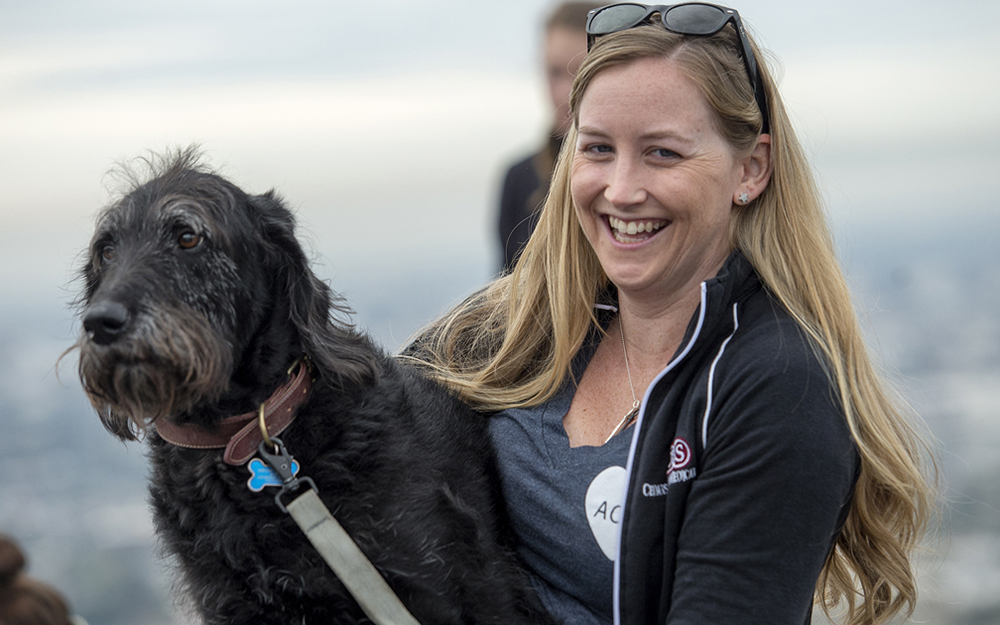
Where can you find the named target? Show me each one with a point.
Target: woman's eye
(188, 240)
(599, 148)
(664, 153)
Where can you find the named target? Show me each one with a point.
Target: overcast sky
(387, 125)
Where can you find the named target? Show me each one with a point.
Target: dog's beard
(170, 362)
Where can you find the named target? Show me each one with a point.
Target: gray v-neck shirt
(564, 504)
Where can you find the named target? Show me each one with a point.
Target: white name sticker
(603, 506)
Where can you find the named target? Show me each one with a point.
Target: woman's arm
(776, 479)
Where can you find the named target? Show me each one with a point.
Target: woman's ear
(756, 172)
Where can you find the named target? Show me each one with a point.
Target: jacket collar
(736, 280)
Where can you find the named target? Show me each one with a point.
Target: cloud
(889, 92)
(64, 62)
(340, 136)
(899, 127)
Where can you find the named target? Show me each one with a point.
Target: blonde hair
(512, 343)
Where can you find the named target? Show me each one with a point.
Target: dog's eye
(108, 252)
(188, 240)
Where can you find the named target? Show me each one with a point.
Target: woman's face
(653, 181)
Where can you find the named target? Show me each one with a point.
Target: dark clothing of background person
(527, 182)
(524, 189)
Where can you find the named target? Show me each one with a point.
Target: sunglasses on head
(696, 19)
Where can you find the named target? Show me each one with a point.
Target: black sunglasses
(696, 18)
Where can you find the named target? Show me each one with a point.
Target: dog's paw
(262, 475)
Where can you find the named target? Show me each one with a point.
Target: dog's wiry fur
(197, 297)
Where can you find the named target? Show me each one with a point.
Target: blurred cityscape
(929, 294)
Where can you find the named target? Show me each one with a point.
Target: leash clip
(281, 462)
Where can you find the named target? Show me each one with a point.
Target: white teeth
(622, 227)
(621, 238)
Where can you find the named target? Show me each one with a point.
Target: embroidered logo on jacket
(677, 471)
(680, 455)
(680, 458)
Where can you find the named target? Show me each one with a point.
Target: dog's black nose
(105, 321)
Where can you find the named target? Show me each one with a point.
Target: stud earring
(744, 198)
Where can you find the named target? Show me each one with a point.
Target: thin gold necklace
(631, 414)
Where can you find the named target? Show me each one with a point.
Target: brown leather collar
(240, 435)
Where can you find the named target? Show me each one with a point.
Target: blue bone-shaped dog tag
(262, 475)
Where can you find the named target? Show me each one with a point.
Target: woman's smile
(634, 230)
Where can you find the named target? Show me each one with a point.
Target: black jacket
(740, 473)
(524, 189)
(518, 213)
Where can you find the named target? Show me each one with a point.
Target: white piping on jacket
(616, 597)
(711, 380)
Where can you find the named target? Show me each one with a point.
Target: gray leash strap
(333, 543)
(349, 564)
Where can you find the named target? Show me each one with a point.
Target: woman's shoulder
(767, 338)
(772, 372)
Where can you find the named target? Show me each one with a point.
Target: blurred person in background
(527, 181)
(25, 600)
(688, 424)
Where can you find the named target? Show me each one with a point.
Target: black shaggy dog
(198, 300)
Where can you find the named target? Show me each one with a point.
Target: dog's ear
(335, 347)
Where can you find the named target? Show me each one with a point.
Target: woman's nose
(626, 186)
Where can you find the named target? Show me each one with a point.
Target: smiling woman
(682, 256)
(672, 178)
